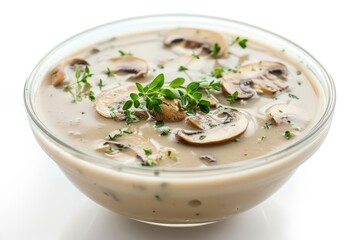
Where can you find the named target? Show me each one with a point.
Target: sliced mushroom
(109, 103)
(138, 146)
(57, 75)
(286, 113)
(171, 111)
(141, 147)
(197, 38)
(136, 66)
(264, 76)
(223, 126)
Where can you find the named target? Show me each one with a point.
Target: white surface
(321, 201)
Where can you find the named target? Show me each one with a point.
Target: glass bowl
(180, 196)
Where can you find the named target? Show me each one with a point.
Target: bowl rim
(250, 163)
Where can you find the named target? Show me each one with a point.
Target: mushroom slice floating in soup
(109, 103)
(264, 76)
(58, 73)
(285, 113)
(223, 126)
(135, 66)
(209, 41)
(139, 147)
(170, 111)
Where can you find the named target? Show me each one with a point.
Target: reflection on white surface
(263, 222)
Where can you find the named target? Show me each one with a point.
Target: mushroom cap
(136, 66)
(171, 111)
(110, 101)
(263, 76)
(137, 144)
(197, 38)
(285, 113)
(57, 75)
(215, 130)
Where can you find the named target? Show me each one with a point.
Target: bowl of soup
(179, 120)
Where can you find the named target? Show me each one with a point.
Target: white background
(321, 201)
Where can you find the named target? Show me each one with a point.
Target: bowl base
(175, 225)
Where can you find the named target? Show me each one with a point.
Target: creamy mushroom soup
(178, 98)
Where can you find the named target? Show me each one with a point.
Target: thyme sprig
(149, 97)
(81, 85)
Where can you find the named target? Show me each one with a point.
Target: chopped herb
(293, 96)
(159, 124)
(182, 69)
(123, 53)
(288, 134)
(109, 73)
(298, 72)
(215, 49)
(101, 84)
(243, 43)
(283, 50)
(195, 55)
(217, 72)
(149, 163)
(231, 98)
(237, 140)
(280, 111)
(109, 149)
(82, 113)
(169, 153)
(202, 137)
(130, 117)
(147, 151)
(156, 173)
(91, 96)
(267, 125)
(127, 131)
(158, 198)
(245, 154)
(165, 131)
(113, 115)
(160, 66)
(299, 83)
(212, 125)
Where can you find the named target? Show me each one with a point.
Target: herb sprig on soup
(179, 98)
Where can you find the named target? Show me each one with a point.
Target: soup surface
(178, 98)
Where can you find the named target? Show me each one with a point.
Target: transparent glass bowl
(173, 196)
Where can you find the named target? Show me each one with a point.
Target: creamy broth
(81, 126)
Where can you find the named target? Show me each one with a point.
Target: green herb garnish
(101, 84)
(242, 42)
(82, 86)
(165, 131)
(217, 72)
(182, 69)
(288, 134)
(147, 151)
(267, 125)
(109, 73)
(123, 53)
(195, 55)
(149, 97)
(215, 49)
(202, 137)
(159, 124)
(293, 96)
(231, 98)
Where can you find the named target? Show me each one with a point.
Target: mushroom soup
(178, 98)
